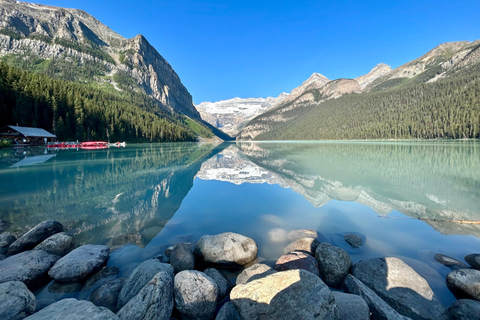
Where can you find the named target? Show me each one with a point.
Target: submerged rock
(182, 258)
(224, 286)
(195, 295)
(257, 271)
(473, 260)
(297, 260)
(226, 249)
(59, 244)
(306, 244)
(351, 306)
(293, 294)
(99, 278)
(353, 240)
(450, 262)
(465, 283)
(80, 263)
(401, 287)
(333, 263)
(6, 239)
(302, 233)
(73, 309)
(16, 301)
(107, 294)
(37, 234)
(465, 309)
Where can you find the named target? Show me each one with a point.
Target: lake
(400, 197)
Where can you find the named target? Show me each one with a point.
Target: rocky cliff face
(378, 71)
(57, 33)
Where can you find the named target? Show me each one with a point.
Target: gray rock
(379, 308)
(139, 278)
(154, 301)
(297, 260)
(465, 309)
(99, 278)
(449, 262)
(168, 251)
(226, 249)
(333, 263)
(302, 233)
(473, 260)
(182, 258)
(224, 286)
(228, 312)
(306, 244)
(351, 306)
(16, 301)
(293, 294)
(6, 239)
(257, 271)
(37, 234)
(59, 244)
(465, 283)
(107, 294)
(195, 295)
(80, 263)
(401, 287)
(162, 257)
(353, 240)
(30, 267)
(73, 309)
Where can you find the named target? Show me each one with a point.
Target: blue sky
(243, 48)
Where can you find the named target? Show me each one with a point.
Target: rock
(107, 294)
(73, 309)
(182, 258)
(64, 288)
(16, 301)
(228, 312)
(293, 294)
(224, 286)
(353, 240)
(302, 233)
(473, 260)
(465, 309)
(257, 271)
(226, 249)
(80, 263)
(351, 306)
(465, 283)
(154, 301)
(195, 295)
(168, 251)
(37, 234)
(333, 263)
(139, 278)
(450, 262)
(401, 287)
(6, 239)
(297, 260)
(59, 244)
(99, 278)
(379, 308)
(162, 257)
(306, 244)
(277, 235)
(30, 267)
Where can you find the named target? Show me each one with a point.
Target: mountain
(72, 45)
(231, 115)
(434, 96)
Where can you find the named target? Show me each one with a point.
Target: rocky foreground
(221, 277)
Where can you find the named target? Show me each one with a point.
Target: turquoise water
(141, 198)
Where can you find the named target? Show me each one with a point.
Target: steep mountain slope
(73, 45)
(230, 115)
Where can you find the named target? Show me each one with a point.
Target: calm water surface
(142, 198)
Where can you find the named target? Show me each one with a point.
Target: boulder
(96, 280)
(195, 295)
(226, 249)
(257, 271)
(465, 309)
(6, 239)
(333, 263)
(450, 262)
(107, 294)
(37, 234)
(379, 308)
(353, 240)
(73, 309)
(306, 244)
(182, 258)
(351, 306)
(473, 260)
(464, 283)
(154, 301)
(293, 294)
(297, 260)
(80, 263)
(224, 286)
(59, 244)
(16, 301)
(139, 278)
(228, 312)
(302, 233)
(30, 267)
(401, 287)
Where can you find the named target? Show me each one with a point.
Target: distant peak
(381, 66)
(317, 75)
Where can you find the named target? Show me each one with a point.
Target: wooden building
(26, 135)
